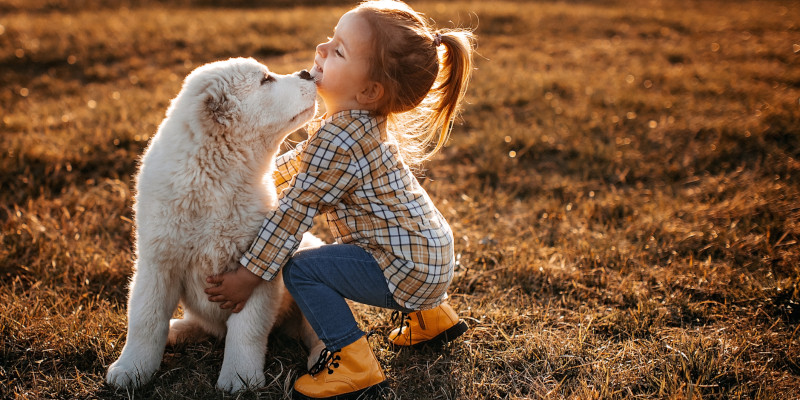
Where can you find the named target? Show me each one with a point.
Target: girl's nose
(321, 49)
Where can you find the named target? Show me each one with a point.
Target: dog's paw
(124, 375)
(232, 381)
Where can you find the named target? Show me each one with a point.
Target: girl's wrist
(248, 276)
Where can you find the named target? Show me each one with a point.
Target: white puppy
(202, 192)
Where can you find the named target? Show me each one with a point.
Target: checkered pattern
(371, 199)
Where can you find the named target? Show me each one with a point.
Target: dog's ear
(220, 105)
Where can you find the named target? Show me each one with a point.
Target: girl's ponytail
(451, 85)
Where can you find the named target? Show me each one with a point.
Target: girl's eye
(267, 79)
(338, 53)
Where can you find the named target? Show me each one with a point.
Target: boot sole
(377, 391)
(445, 337)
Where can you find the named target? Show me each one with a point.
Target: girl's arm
(326, 172)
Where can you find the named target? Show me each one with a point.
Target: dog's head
(242, 100)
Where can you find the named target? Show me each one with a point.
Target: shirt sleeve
(286, 167)
(327, 171)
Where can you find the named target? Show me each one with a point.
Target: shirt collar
(345, 113)
(316, 124)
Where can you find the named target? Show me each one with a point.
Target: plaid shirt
(371, 199)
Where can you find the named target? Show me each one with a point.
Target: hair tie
(437, 39)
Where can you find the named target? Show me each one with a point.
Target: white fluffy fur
(202, 192)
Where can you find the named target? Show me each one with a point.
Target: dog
(203, 188)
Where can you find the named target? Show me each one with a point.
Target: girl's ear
(371, 94)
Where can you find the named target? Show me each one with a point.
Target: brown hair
(423, 83)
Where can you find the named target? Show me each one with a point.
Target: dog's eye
(267, 79)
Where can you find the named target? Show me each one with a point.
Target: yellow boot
(428, 327)
(350, 373)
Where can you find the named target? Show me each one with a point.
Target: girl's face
(341, 65)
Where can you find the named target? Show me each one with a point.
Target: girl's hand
(232, 288)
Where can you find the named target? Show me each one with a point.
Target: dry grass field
(624, 186)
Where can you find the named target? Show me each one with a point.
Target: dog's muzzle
(305, 75)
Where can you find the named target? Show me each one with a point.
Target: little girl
(391, 87)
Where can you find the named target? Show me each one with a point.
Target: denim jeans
(320, 279)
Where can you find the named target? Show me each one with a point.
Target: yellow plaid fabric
(371, 199)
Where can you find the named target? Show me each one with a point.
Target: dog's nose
(305, 75)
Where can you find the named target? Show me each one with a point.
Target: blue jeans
(320, 279)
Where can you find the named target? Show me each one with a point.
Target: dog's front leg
(152, 300)
(246, 343)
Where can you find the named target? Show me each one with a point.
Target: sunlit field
(623, 184)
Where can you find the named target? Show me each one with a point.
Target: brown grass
(624, 186)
